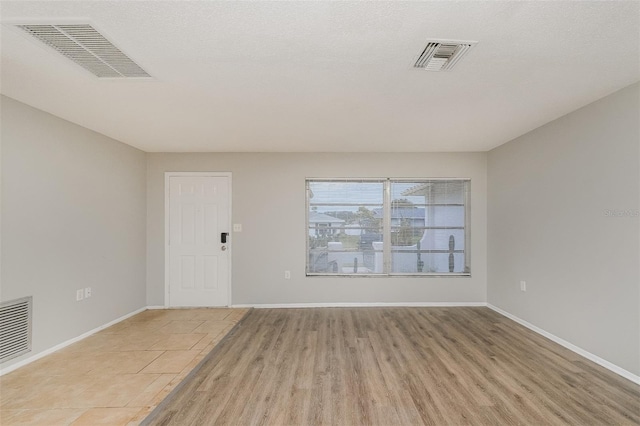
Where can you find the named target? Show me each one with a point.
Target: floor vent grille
(15, 328)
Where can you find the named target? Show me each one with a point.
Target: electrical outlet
(237, 227)
(287, 275)
(523, 285)
(87, 292)
(79, 295)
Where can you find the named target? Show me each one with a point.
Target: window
(388, 227)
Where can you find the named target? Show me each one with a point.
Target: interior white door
(199, 260)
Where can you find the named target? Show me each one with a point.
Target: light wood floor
(116, 376)
(388, 366)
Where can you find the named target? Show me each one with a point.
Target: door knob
(223, 248)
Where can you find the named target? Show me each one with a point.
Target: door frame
(167, 206)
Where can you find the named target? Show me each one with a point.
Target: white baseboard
(57, 347)
(358, 305)
(185, 307)
(603, 362)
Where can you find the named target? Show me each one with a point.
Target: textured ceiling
(325, 76)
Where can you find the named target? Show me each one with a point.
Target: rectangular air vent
(15, 328)
(442, 55)
(85, 46)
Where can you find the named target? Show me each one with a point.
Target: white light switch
(237, 227)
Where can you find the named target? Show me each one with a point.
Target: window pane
(344, 222)
(428, 226)
(426, 221)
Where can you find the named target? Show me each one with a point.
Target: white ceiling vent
(88, 48)
(443, 55)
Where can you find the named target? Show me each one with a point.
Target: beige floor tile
(107, 390)
(195, 361)
(62, 363)
(201, 314)
(52, 392)
(115, 390)
(96, 343)
(116, 342)
(218, 338)
(206, 341)
(175, 381)
(107, 416)
(129, 362)
(187, 369)
(149, 314)
(23, 380)
(171, 362)
(139, 327)
(177, 342)
(134, 340)
(137, 342)
(237, 315)
(180, 327)
(119, 328)
(207, 348)
(150, 396)
(214, 327)
(142, 414)
(40, 417)
(215, 314)
(136, 362)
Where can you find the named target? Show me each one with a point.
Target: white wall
(73, 216)
(269, 202)
(549, 193)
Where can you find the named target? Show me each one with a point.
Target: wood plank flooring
(395, 366)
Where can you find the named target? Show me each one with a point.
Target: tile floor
(116, 376)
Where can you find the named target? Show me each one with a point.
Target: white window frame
(386, 230)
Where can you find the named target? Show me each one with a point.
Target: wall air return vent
(15, 328)
(88, 48)
(443, 55)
